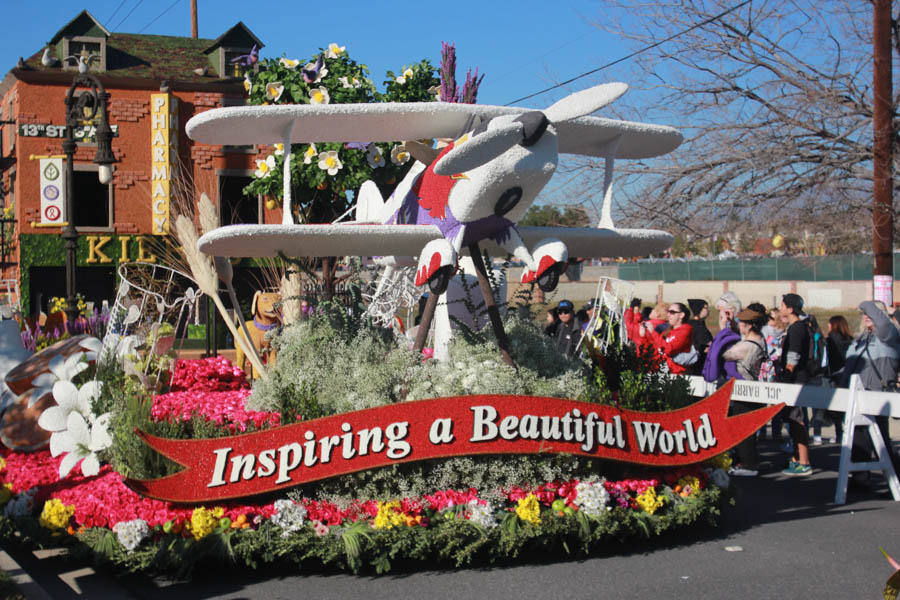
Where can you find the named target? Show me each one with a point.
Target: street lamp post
(80, 108)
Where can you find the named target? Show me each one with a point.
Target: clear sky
(521, 47)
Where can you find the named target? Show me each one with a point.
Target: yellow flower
(649, 501)
(389, 515)
(690, 485)
(56, 515)
(6, 493)
(309, 154)
(2, 463)
(529, 509)
(205, 521)
(722, 461)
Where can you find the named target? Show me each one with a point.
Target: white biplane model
(454, 199)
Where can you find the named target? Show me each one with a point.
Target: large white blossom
(349, 83)
(401, 79)
(69, 399)
(81, 441)
(311, 68)
(290, 63)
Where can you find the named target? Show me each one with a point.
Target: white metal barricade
(857, 404)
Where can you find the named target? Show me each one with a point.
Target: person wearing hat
(702, 337)
(568, 331)
(748, 354)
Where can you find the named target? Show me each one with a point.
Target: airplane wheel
(440, 281)
(550, 279)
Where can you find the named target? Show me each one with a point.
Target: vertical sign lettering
(164, 154)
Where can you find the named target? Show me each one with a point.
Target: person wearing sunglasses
(567, 331)
(676, 343)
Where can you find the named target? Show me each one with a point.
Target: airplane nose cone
(508, 201)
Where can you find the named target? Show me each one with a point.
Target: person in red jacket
(676, 343)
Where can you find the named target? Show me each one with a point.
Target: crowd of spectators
(780, 344)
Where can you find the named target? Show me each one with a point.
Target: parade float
(362, 446)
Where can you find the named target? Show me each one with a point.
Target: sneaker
(796, 468)
(740, 470)
(817, 440)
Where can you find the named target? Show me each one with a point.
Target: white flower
(79, 441)
(290, 63)
(61, 369)
(248, 83)
(350, 83)
(399, 155)
(401, 79)
(592, 497)
(289, 516)
(264, 168)
(482, 514)
(319, 95)
(279, 149)
(334, 50)
(311, 68)
(329, 161)
(274, 90)
(69, 400)
(131, 533)
(375, 156)
(436, 90)
(310, 154)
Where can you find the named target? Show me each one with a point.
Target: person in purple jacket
(715, 367)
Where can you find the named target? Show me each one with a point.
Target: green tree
(551, 216)
(324, 174)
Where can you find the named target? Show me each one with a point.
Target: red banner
(274, 459)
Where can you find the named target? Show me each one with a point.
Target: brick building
(147, 77)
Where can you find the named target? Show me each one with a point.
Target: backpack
(817, 356)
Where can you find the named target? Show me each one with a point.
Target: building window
(234, 207)
(229, 69)
(88, 47)
(93, 201)
(238, 101)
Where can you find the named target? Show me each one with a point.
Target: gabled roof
(238, 36)
(82, 25)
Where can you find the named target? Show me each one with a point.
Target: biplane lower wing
(367, 239)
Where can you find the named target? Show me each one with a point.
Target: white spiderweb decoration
(394, 291)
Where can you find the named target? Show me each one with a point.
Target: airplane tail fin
(369, 205)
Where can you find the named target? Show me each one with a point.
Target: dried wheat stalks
(206, 279)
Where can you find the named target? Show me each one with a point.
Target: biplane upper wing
(367, 239)
(594, 242)
(399, 121)
(364, 239)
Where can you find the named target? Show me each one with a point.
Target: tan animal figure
(265, 318)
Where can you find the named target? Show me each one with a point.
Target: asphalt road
(785, 539)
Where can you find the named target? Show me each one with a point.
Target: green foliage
(545, 215)
(446, 540)
(319, 197)
(627, 377)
